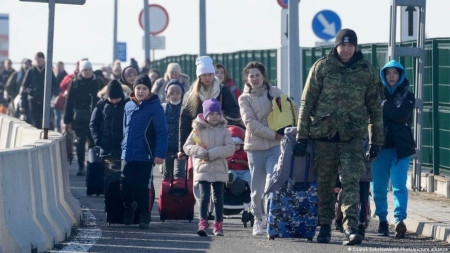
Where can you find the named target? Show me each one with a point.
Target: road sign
(283, 3)
(122, 51)
(409, 17)
(79, 2)
(159, 19)
(326, 24)
(156, 42)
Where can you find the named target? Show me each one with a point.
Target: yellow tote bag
(283, 114)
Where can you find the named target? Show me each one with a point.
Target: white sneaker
(257, 228)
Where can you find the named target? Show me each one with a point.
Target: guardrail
(37, 209)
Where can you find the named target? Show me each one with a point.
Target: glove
(373, 151)
(300, 147)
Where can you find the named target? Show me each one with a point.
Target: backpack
(283, 114)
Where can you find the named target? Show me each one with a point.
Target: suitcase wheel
(162, 216)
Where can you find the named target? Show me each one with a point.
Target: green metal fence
(436, 90)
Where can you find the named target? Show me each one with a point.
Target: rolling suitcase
(113, 198)
(94, 172)
(293, 209)
(176, 198)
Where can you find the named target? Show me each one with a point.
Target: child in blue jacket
(144, 144)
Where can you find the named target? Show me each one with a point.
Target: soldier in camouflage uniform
(340, 103)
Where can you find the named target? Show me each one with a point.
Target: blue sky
(232, 25)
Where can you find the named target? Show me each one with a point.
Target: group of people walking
(139, 122)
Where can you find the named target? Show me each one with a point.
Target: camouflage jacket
(343, 99)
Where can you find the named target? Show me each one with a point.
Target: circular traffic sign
(283, 3)
(159, 19)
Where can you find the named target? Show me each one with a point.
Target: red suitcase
(176, 199)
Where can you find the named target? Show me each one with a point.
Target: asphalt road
(96, 235)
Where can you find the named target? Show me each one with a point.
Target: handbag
(60, 101)
(283, 114)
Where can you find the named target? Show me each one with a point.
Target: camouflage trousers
(348, 157)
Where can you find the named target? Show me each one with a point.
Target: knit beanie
(346, 36)
(204, 65)
(211, 105)
(85, 64)
(114, 89)
(143, 79)
(173, 67)
(174, 85)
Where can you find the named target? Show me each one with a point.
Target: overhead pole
(295, 86)
(115, 32)
(202, 14)
(146, 30)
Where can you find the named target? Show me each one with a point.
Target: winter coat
(213, 141)
(145, 130)
(81, 100)
(255, 106)
(33, 86)
(172, 113)
(341, 101)
(106, 127)
(230, 110)
(398, 114)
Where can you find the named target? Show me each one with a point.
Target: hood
(392, 64)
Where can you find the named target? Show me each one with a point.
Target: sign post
(49, 63)
(153, 20)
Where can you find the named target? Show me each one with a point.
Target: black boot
(353, 238)
(81, 171)
(400, 230)
(338, 224)
(383, 228)
(362, 230)
(324, 234)
(144, 220)
(128, 216)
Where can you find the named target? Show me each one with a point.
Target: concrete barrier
(37, 209)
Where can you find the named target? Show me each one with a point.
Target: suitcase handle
(185, 190)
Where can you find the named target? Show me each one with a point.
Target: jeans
(242, 174)
(205, 197)
(388, 167)
(261, 164)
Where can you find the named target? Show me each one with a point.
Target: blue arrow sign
(326, 24)
(122, 51)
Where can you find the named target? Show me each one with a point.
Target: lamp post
(115, 32)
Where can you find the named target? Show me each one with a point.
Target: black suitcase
(113, 198)
(95, 172)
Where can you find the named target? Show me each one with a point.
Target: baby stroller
(237, 194)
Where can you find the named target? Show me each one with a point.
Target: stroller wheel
(251, 218)
(245, 218)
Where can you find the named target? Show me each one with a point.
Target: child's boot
(218, 231)
(202, 226)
